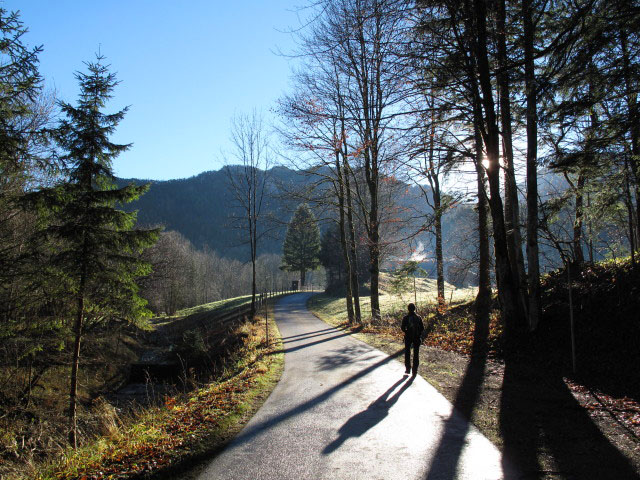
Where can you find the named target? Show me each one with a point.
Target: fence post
(266, 322)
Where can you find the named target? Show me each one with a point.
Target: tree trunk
(343, 240)
(374, 270)
(75, 364)
(303, 276)
(75, 360)
(629, 204)
(634, 125)
(506, 285)
(578, 255)
(483, 298)
(373, 231)
(434, 181)
(439, 260)
(589, 227)
(355, 282)
(252, 233)
(368, 78)
(532, 170)
(511, 203)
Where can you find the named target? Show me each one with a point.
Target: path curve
(344, 410)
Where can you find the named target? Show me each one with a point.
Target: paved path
(344, 410)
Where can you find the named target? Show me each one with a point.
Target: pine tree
(97, 249)
(20, 86)
(301, 247)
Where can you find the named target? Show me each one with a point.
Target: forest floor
(549, 426)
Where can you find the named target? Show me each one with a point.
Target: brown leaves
(625, 410)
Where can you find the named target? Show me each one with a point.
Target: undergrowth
(164, 437)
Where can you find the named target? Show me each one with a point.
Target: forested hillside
(201, 209)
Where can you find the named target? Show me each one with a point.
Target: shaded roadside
(550, 435)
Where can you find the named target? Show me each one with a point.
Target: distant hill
(200, 208)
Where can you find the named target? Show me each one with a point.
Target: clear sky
(186, 67)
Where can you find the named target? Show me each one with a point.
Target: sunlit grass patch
(218, 307)
(425, 297)
(450, 327)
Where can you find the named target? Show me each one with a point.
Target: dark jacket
(412, 327)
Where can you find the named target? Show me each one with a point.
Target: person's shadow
(374, 414)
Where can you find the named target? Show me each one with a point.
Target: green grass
(334, 309)
(220, 306)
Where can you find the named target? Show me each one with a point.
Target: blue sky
(186, 67)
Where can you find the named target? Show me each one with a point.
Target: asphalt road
(344, 410)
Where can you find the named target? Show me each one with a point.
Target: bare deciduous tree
(247, 175)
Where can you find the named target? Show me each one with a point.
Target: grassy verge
(162, 441)
(219, 307)
(549, 426)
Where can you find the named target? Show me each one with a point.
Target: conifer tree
(301, 247)
(20, 86)
(97, 248)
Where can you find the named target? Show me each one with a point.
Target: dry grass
(187, 426)
(426, 292)
(35, 427)
(392, 305)
(34, 434)
(218, 307)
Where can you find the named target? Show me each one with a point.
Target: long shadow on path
(546, 433)
(310, 344)
(445, 461)
(319, 332)
(377, 411)
(306, 336)
(255, 430)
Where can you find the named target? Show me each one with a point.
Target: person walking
(412, 327)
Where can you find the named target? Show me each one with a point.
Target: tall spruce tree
(301, 249)
(97, 249)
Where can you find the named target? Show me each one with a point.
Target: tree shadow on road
(315, 333)
(351, 355)
(447, 455)
(254, 430)
(546, 433)
(319, 333)
(377, 411)
(310, 344)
